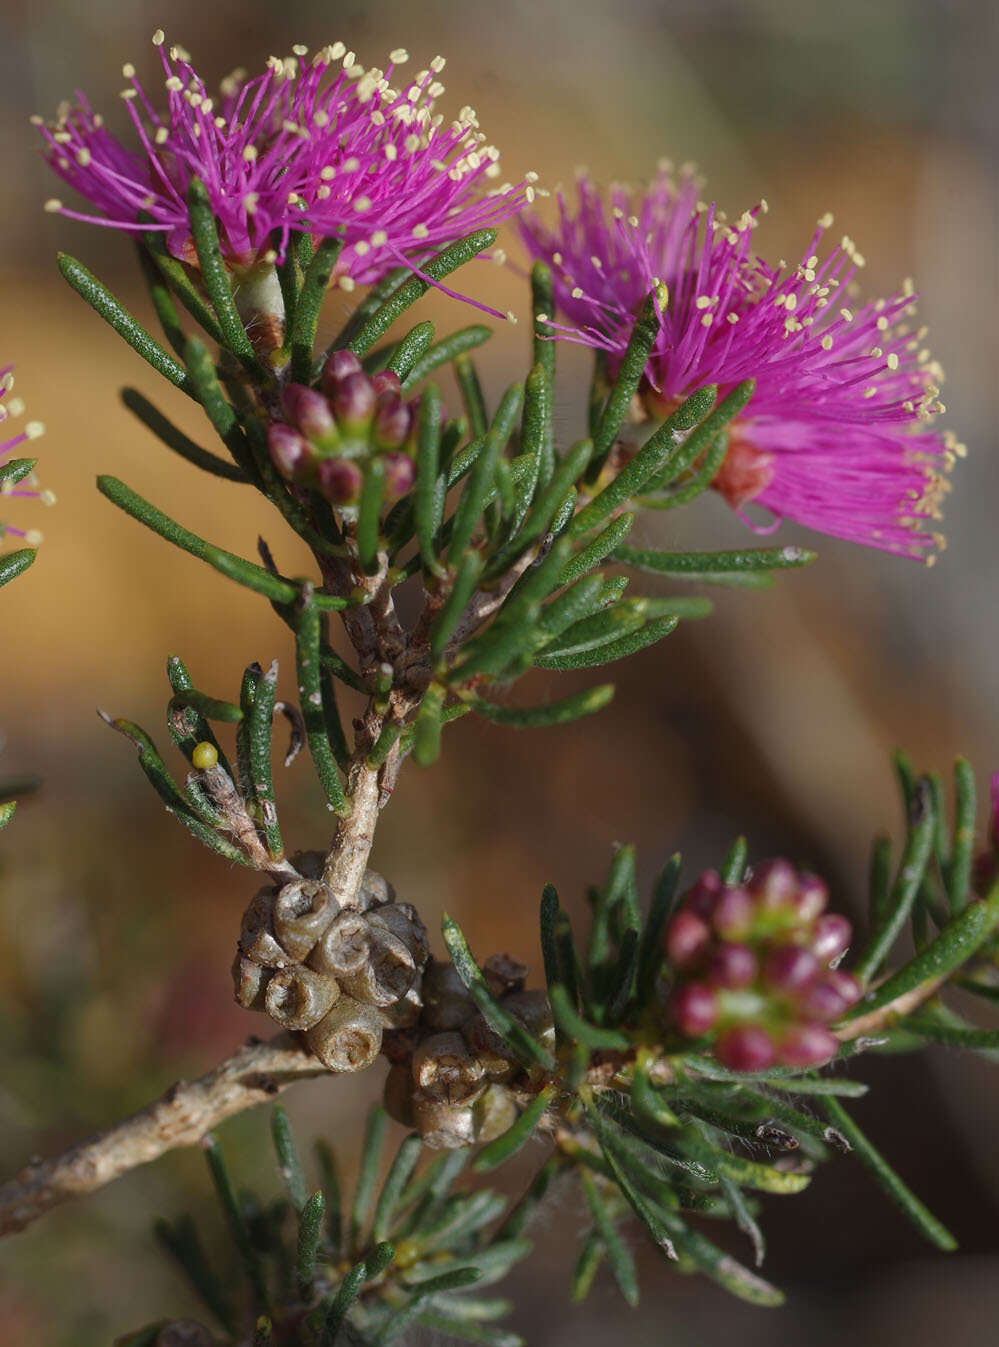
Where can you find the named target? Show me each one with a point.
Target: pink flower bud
(731, 966)
(813, 894)
(311, 412)
(388, 389)
(789, 968)
(392, 426)
(354, 401)
(831, 936)
(823, 1001)
(846, 984)
(733, 914)
(687, 936)
(701, 897)
(695, 1009)
(291, 452)
(340, 480)
(746, 1047)
(400, 474)
(774, 885)
(806, 1045)
(338, 366)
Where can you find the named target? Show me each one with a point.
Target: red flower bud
(789, 968)
(392, 426)
(339, 365)
(340, 480)
(695, 1009)
(701, 897)
(731, 966)
(687, 936)
(806, 1045)
(400, 474)
(310, 411)
(733, 914)
(831, 937)
(813, 894)
(823, 1001)
(747, 1047)
(291, 452)
(774, 885)
(388, 389)
(354, 401)
(846, 984)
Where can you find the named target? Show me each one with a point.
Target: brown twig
(181, 1117)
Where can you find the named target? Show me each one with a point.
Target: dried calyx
(332, 434)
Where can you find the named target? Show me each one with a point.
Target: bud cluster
(331, 433)
(755, 968)
(452, 1078)
(339, 975)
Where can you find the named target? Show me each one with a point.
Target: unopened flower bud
(701, 897)
(811, 898)
(774, 885)
(806, 1045)
(687, 937)
(339, 365)
(831, 937)
(348, 1037)
(392, 426)
(788, 968)
(731, 966)
(290, 452)
(298, 998)
(444, 1068)
(746, 1047)
(354, 402)
(311, 413)
(400, 474)
(695, 1009)
(387, 386)
(340, 480)
(733, 913)
(302, 912)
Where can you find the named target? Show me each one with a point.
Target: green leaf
(261, 730)
(13, 471)
(7, 809)
(350, 1288)
(412, 346)
(450, 259)
(395, 1184)
(629, 375)
(445, 351)
(734, 866)
(369, 515)
(472, 396)
(958, 874)
(13, 564)
(176, 440)
(427, 728)
(587, 1264)
(367, 1176)
(599, 629)
(554, 713)
(578, 1030)
(924, 1221)
(246, 573)
(182, 1242)
(647, 635)
(211, 708)
(310, 1233)
(326, 1161)
(427, 495)
(619, 1258)
(308, 632)
(650, 953)
(712, 565)
(289, 1165)
(234, 1219)
(101, 300)
(180, 283)
(466, 578)
(499, 1151)
(510, 1030)
(308, 306)
(602, 545)
(215, 277)
(483, 475)
(915, 858)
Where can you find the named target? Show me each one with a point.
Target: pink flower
(838, 435)
(318, 145)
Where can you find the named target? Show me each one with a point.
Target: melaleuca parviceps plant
(673, 1061)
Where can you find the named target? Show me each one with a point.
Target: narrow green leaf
(331, 1195)
(445, 351)
(172, 271)
(602, 545)
(915, 858)
(13, 471)
(289, 1165)
(234, 1218)
(522, 1212)
(427, 729)
(302, 335)
(162, 300)
(211, 708)
(425, 501)
(879, 881)
(215, 276)
(369, 515)
(412, 346)
(261, 730)
(647, 635)
(339, 1305)
(510, 1030)
(310, 1233)
(650, 952)
(472, 396)
(100, 299)
(452, 257)
(367, 1176)
(394, 1186)
(962, 852)
(619, 1258)
(483, 474)
(924, 1221)
(182, 1242)
(499, 1151)
(463, 586)
(388, 737)
(308, 633)
(548, 506)
(13, 564)
(175, 439)
(246, 573)
(734, 865)
(554, 713)
(630, 371)
(587, 1264)
(705, 565)
(599, 629)
(578, 1030)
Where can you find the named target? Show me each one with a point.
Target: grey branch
(181, 1117)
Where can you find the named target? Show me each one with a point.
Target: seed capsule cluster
(452, 1079)
(755, 968)
(339, 975)
(333, 432)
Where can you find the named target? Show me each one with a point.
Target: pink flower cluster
(755, 968)
(839, 433)
(320, 145)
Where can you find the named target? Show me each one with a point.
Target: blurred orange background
(775, 717)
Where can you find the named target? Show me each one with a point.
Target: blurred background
(776, 716)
